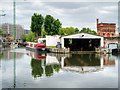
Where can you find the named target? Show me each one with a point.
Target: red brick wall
(106, 29)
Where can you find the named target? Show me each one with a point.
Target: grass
(51, 46)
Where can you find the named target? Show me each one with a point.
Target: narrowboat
(36, 46)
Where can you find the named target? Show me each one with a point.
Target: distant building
(106, 29)
(26, 31)
(8, 29)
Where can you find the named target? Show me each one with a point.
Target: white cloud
(61, 0)
(104, 12)
(79, 14)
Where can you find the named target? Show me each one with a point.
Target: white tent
(81, 36)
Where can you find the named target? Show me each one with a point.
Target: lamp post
(14, 34)
(14, 19)
(2, 15)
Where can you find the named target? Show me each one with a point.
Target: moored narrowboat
(36, 46)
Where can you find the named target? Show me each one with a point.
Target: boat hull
(116, 51)
(36, 49)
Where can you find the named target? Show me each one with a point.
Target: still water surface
(25, 69)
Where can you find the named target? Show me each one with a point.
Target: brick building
(106, 29)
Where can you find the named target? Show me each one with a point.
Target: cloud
(61, 1)
(78, 14)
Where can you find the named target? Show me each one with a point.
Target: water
(25, 69)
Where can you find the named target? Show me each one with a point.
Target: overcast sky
(70, 13)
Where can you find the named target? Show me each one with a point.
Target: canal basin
(21, 69)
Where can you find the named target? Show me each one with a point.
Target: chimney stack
(97, 20)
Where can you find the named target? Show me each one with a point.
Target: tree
(29, 37)
(44, 32)
(1, 32)
(68, 31)
(56, 27)
(88, 30)
(37, 21)
(76, 30)
(48, 24)
(51, 25)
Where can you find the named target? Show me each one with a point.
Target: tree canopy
(29, 37)
(52, 25)
(68, 31)
(88, 30)
(37, 21)
(1, 32)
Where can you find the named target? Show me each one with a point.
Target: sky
(74, 13)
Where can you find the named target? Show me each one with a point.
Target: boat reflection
(43, 65)
(80, 63)
(37, 55)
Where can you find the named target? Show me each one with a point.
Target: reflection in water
(108, 60)
(82, 63)
(86, 63)
(49, 70)
(58, 67)
(82, 60)
(37, 69)
(8, 55)
(12, 55)
(42, 65)
(14, 71)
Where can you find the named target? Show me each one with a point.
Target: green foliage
(48, 70)
(37, 21)
(56, 26)
(51, 25)
(37, 70)
(43, 32)
(70, 41)
(76, 30)
(1, 32)
(56, 67)
(68, 31)
(48, 25)
(29, 37)
(88, 30)
(1, 55)
(51, 46)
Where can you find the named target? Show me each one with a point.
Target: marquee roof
(83, 35)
